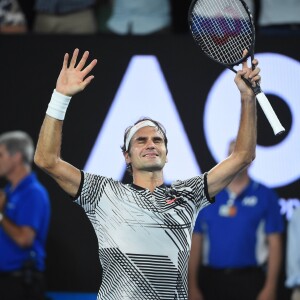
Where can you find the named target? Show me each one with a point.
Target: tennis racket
(224, 29)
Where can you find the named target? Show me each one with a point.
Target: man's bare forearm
(49, 144)
(274, 260)
(47, 157)
(247, 133)
(23, 236)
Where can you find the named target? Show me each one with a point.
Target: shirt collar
(139, 188)
(252, 185)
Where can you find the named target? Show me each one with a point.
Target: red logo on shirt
(171, 201)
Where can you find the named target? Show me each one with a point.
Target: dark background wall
(29, 68)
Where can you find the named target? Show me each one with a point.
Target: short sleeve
(274, 219)
(90, 191)
(198, 188)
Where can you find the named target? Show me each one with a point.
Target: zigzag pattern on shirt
(144, 238)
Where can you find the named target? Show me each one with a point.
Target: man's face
(147, 151)
(7, 161)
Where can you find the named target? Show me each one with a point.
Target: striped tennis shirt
(144, 237)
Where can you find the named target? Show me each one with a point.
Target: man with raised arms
(144, 229)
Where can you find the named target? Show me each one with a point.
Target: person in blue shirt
(236, 245)
(24, 221)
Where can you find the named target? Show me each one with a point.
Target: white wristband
(58, 105)
(1, 217)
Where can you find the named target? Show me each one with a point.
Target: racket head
(223, 29)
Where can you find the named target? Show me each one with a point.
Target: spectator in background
(103, 12)
(140, 17)
(251, 5)
(24, 219)
(12, 19)
(229, 258)
(65, 17)
(293, 255)
(278, 15)
(27, 6)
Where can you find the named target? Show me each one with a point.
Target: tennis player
(144, 229)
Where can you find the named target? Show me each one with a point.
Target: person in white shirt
(144, 228)
(293, 255)
(140, 17)
(278, 12)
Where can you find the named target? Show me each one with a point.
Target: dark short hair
(18, 141)
(159, 127)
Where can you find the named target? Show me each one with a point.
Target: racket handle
(270, 113)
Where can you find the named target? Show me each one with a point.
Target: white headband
(135, 128)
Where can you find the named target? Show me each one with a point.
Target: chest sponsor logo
(249, 201)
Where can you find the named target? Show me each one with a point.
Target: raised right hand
(247, 73)
(73, 78)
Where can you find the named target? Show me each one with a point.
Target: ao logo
(144, 92)
(278, 165)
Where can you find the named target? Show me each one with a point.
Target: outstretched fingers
(89, 67)
(65, 62)
(87, 81)
(74, 58)
(73, 79)
(83, 60)
(80, 66)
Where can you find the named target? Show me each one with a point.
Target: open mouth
(150, 155)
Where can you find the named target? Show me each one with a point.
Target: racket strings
(224, 39)
(226, 23)
(223, 29)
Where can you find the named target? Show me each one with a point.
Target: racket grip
(270, 113)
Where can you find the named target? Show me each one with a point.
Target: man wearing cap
(144, 229)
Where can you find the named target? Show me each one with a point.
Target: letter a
(143, 92)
